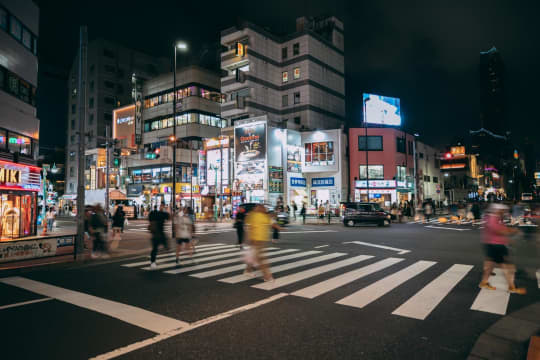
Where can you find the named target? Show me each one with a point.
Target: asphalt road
(400, 292)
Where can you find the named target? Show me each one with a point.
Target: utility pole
(367, 151)
(221, 180)
(79, 244)
(191, 176)
(107, 169)
(173, 146)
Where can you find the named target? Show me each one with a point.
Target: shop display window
(20, 143)
(17, 215)
(319, 153)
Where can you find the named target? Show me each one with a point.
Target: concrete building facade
(429, 178)
(297, 80)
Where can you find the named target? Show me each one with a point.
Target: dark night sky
(424, 52)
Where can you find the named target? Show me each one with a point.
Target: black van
(364, 213)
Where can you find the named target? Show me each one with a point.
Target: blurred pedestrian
(157, 220)
(98, 229)
(50, 216)
(475, 209)
(118, 220)
(184, 234)
(428, 210)
(259, 223)
(294, 209)
(275, 229)
(239, 225)
(517, 212)
(321, 212)
(303, 213)
(495, 240)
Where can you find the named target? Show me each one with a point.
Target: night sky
(424, 52)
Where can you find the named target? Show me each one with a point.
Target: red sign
(19, 176)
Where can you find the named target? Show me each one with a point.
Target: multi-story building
(19, 126)
(461, 174)
(110, 69)
(197, 118)
(492, 102)
(297, 80)
(429, 181)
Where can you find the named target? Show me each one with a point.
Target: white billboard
(382, 110)
(213, 169)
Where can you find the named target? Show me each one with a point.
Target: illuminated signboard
(375, 183)
(124, 126)
(19, 177)
(382, 110)
(457, 150)
(240, 49)
(452, 166)
(537, 175)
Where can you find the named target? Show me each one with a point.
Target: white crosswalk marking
(172, 257)
(423, 302)
(242, 267)
(374, 291)
(214, 264)
(289, 279)
(493, 301)
(172, 263)
(323, 287)
(218, 247)
(288, 266)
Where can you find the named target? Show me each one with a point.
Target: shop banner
(275, 179)
(18, 250)
(375, 184)
(250, 142)
(301, 182)
(329, 181)
(294, 159)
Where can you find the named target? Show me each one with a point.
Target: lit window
(285, 76)
(376, 172)
(296, 73)
(319, 153)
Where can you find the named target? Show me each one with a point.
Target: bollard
(44, 223)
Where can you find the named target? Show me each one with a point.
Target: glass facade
(164, 122)
(17, 87)
(14, 142)
(168, 96)
(17, 214)
(319, 153)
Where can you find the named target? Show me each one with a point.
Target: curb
(509, 337)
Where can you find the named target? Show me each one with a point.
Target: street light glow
(181, 46)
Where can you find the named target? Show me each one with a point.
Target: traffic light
(152, 154)
(117, 152)
(516, 154)
(116, 162)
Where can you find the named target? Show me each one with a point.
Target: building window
(435, 179)
(73, 123)
(376, 172)
(19, 143)
(109, 84)
(2, 77)
(3, 19)
(297, 97)
(91, 103)
(72, 139)
(374, 143)
(319, 153)
(421, 155)
(285, 100)
(283, 53)
(110, 68)
(71, 173)
(411, 152)
(92, 86)
(296, 73)
(296, 49)
(13, 84)
(16, 28)
(27, 38)
(297, 120)
(73, 108)
(285, 76)
(426, 178)
(70, 186)
(72, 156)
(401, 173)
(90, 119)
(400, 142)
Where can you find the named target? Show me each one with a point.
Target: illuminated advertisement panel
(382, 110)
(213, 169)
(250, 142)
(124, 126)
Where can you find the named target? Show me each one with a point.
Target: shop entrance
(17, 215)
(298, 196)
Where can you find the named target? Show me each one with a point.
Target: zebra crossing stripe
(323, 287)
(493, 301)
(288, 266)
(235, 279)
(208, 245)
(213, 264)
(423, 302)
(200, 250)
(306, 274)
(374, 291)
(172, 257)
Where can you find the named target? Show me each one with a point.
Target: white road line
(127, 313)
(171, 263)
(306, 274)
(538, 277)
(25, 303)
(217, 247)
(423, 302)
(243, 266)
(284, 267)
(172, 257)
(400, 251)
(374, 291)
(445, 228)
(208, 245)
(320, 246)
(305, 232)
(141, 344)
(323, 287)
(213, 264)
(493, 301)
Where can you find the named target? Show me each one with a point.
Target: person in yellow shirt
(258, 225)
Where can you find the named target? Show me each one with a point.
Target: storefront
(383, 192)
(297, 191)
(19, 187)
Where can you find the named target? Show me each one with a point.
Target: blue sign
(298, 182)
(322, 182)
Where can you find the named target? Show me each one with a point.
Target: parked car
(364, 213)
(282, 218)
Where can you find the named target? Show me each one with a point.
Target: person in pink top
(495, 240)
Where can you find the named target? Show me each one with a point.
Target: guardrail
(37, 247)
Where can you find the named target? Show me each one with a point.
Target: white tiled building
(429, 175)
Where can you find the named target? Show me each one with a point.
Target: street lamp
(182, 46)
(416, 135)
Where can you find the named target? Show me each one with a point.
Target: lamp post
(367, 152)
(416, 135)
(183, 47)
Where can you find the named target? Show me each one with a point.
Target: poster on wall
(213, 168)
(250, 142)
(294, 159)
(275, 179)
(27, 249)
(202, 166)
(250, 175)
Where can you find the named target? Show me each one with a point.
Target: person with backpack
(184, 234)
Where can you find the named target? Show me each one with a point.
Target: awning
(117, 195)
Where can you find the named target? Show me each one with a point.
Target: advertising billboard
(250, 142)
(214, 158)
(382, 110)
(124, 126)
(202, 166)
(294, 159)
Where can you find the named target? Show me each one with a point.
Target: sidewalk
(509, 337)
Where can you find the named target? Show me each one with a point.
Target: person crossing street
(157, 220)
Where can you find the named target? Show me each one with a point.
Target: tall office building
(109, 85)
(297, 80)
(19, 125)
(492, 107)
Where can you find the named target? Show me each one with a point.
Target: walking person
(275, 229)
(157, 220)
(258, 223)
(428, 210)
(475, 209)
(303, 213)
(98, 229)
(495, 240)
(50, 216)
(321, 212)
(294, 209)
(118, 220)
(239, 225)
(184, 234)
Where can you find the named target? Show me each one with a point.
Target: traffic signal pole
(107, 169)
